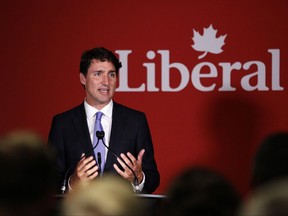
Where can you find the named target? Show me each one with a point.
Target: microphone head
(100, 134)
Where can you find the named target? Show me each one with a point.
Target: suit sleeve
(56, 140)
(149, 166)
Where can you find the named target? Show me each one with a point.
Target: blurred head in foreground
(28, 175)
(271, 159)
(108, 196)
(199, 191)
(270, 199)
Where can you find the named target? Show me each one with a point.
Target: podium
(151, 203)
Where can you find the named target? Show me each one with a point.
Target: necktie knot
(99, 115)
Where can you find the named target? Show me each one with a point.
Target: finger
(82, 159)
(93, 176)
(80, 166)
(126, 159)
(123, 174)
(84, 166)
(92, 172)
(82, 163)
(140, 155)
(121, 162)
(118, 170)
(128, 172)
(88, 173)
(131, 158)
(89, 165)
(88, 160)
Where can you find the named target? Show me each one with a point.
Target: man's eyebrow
(102, 71)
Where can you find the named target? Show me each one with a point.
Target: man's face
(100, 83)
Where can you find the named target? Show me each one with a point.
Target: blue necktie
(99, 151)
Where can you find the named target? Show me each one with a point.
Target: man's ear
(82, 79)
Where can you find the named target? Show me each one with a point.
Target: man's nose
(105, 79)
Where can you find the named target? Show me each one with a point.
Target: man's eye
(112, 74)
(97, 73)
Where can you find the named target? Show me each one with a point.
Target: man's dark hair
(100, 53)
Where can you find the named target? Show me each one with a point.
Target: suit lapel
(81, 126)
(116, 135)
(117, 121)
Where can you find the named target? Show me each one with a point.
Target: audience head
(110, 195)
(28, 175)
(270, 199)
(271, 159)
(200, 191)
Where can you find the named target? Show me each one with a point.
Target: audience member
(270, 199)
(269, 181)
(271, 159)
(27, 177)
(199, 191)
(112, 196)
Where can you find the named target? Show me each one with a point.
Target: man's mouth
(104, 90)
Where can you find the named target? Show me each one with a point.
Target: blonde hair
(108, 196)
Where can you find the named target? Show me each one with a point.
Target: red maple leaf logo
(208, 42)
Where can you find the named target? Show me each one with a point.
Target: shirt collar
(90, 111)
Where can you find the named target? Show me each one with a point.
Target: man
(127, 133)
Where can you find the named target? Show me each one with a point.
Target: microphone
(101, 135)
(99, 160)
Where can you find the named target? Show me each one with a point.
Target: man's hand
(135, 164)
(86, 169)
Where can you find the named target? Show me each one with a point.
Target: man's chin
(105, 101)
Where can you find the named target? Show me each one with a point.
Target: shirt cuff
(138, 188)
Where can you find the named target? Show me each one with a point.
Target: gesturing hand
(135, 164)
(85, 170)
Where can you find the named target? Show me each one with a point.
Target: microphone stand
(101, 135)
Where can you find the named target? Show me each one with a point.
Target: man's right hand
(86, 169)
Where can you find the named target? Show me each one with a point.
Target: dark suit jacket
(130, 132)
